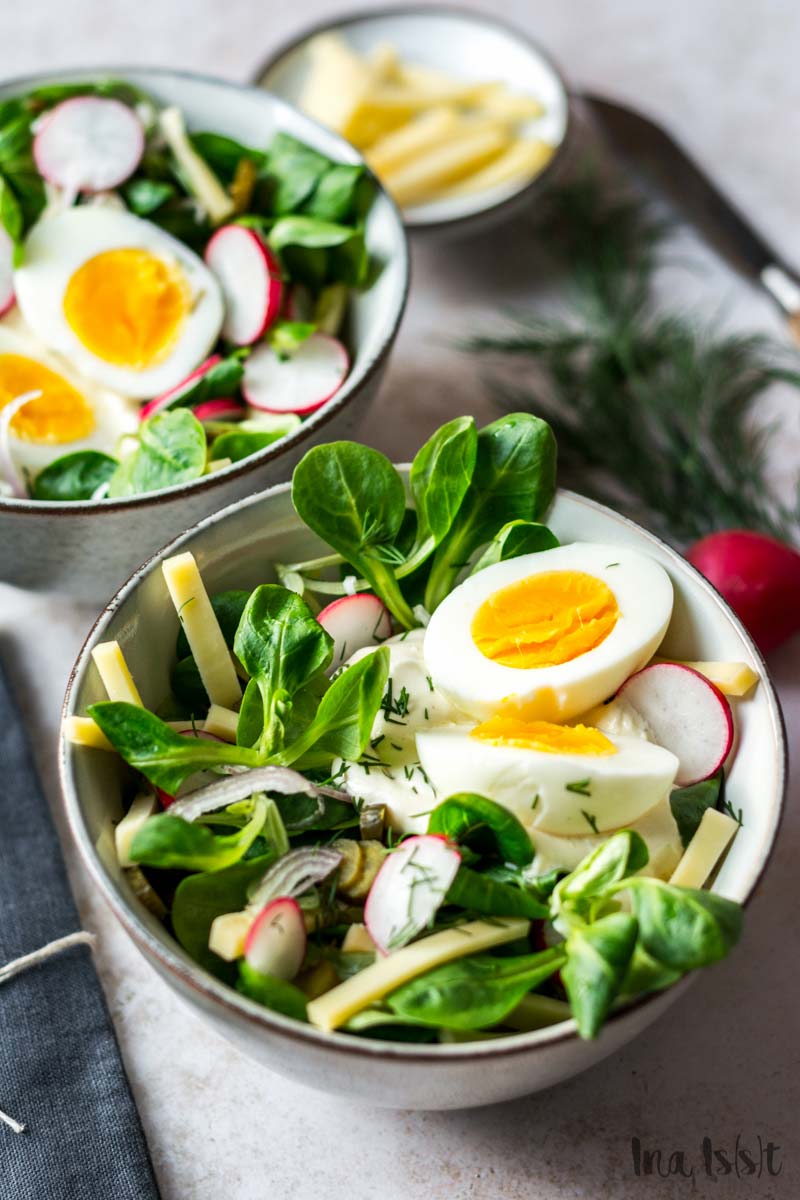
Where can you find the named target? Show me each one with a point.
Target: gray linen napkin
(60, 1067)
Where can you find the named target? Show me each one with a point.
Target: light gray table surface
(724, 1061)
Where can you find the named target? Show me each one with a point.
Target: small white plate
(465, 45)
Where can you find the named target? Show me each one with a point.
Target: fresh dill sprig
(654, 410)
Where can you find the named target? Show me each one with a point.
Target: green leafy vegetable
(621, 855)
(164, 757)
(144, 196)
(200, 898)
(472, 993)
(514, 479)
(515, 539)
(479, 892)
(684, 928)
(172, 450)
(689, 803)
(343, 722)
(166, 841)
(342, 196)
(317, 252)
(597, 961)
(77, 476)
(277, 994)
(353, 498)
(228, 607)
(220, 381)
(477, 821)
(440, 476)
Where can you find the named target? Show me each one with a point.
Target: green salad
(171, 301)
(435, 784)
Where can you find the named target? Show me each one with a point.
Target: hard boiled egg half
(547, 636)
(132, 307)
(71, 414)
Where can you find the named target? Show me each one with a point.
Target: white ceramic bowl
(235, 549)
(466, 45)
(87, 549)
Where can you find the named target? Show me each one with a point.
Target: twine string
(34, 959)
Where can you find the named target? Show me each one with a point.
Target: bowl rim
(353, 16)
(212, 992)
(318, 420)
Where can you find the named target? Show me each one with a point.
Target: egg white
(60, 244)
(566, 794)
(114, 416)
(483, 688)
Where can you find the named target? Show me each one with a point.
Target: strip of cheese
(421, 180)
(522, 160)
(342, 1002)
(198, 176)
(202, 630)
(117, 679)
(83, 731)
(358, 941)
(714, 833)
(218, 464)
(511, 106)
(732, 678)
(340, 79)
(228, 934)
(143, 807)
(222, 722)
(535, 1012)
(431, 129)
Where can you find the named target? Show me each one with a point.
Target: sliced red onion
(295, 873)
(8, 467)
(243, 785)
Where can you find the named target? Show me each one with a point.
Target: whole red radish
(758, 576)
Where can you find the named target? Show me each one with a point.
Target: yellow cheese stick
(228, 934)
(511, 106)
(143, 807)
(704, 851)
(117, 679)
(340, 79)
(221, 722)
(423, 179)
(732, 678)
(522, 160)
(201, 180)
(373, 983)
(82, 731)
(388, 108)
(202, 630)
(394, 150)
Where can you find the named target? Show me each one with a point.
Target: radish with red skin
(276, 941)
(298, 383)
(167, 399)
(760, 579)
(355, 622)
(685, 713)
(7, 297)
(88, 144)
(222, 409)
(409, 889)
(251, 280)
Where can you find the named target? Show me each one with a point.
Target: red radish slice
(686, 714)
(299, 383)
(251, 281)
(89, 144)
(409, 889)
(276, 941)
(219, 410)
(167, 399)
(758, 576)
(299, 305)
(6, 272)
(355, 622)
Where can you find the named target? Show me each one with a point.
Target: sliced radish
(168, 399)
(299, 303)
(224, 409)
(686, 714)
(355, 622)
(409, 889)
(276, 942)
(6, 272)
(251, 281)
(298, 383)
(89, 144)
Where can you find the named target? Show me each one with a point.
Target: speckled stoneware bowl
(236, 549)
(86, 549)
(471, 46)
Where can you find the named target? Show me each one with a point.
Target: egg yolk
(545, 619)
(542, 735)
(127, 306)
(60, 414)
